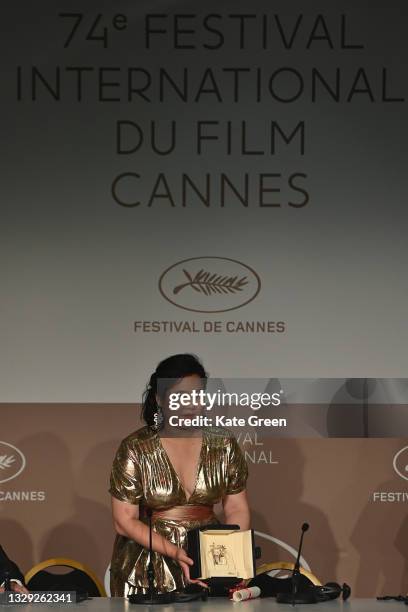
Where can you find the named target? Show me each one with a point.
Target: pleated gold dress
(143, 474)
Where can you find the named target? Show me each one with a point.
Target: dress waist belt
(186, 512)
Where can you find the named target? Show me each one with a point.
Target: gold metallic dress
(143, 474)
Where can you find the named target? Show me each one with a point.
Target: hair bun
(168, 371)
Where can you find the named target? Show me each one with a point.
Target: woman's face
(190, 386)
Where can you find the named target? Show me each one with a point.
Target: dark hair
(174, 367)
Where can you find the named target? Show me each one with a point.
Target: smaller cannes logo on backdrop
(209, 284)
(12, 462)
(400, 463)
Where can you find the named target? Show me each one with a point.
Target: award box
(222, 552)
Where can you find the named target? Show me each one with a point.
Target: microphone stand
(7, 582)
(152, 596)
(295, 596)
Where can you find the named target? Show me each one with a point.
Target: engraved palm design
(210, 284)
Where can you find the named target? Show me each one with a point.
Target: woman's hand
(17, 588)
(185, 562)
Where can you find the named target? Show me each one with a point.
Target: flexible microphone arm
(293, 596)
(296, 568)
(305, 527)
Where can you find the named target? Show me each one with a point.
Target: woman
(179, 478)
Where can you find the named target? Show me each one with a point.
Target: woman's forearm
(239, 517)
(136, 530)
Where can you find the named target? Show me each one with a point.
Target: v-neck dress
(143, 474)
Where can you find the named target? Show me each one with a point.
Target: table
(215, 604)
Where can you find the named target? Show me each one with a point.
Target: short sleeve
(237, 469)
(125, 481)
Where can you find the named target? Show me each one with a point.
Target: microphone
(295, 597)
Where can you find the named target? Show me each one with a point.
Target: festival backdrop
(222, 178)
